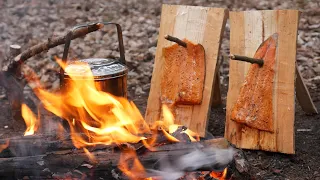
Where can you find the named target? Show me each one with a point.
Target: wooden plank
(248, 30)
(201, 25)
(153, 110)
(303, 95)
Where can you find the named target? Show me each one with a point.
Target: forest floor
(28, 23)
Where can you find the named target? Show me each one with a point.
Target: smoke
(208, 159)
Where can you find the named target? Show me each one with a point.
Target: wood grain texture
(248, 30)
(201, 25)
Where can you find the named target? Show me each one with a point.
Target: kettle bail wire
(69, 38)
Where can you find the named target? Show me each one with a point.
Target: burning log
(62, 161)
(41, 144)
(34, 145)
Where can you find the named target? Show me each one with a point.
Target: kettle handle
(70, 34)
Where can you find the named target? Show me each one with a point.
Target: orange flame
(30, 120)
(219, 175)
(96, 117)
(136, 171)
(92, 158)
(4, 146)
(102, 117)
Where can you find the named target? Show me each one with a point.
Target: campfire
(106, 133)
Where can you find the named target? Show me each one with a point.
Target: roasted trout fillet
(183, 74)
(254, 105)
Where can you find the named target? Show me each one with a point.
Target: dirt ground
(29, 22)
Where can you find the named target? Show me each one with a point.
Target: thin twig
(176, 40)
(246, 59)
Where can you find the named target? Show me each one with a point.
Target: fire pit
(105, 136)
(157, 155)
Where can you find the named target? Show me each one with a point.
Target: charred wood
(73, 159)
(41, 144)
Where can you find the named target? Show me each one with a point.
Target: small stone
(41, 163)
(103, 53)
(132, 74)
(314, 26)
(6, 127)
(141, 34)
(309, 73)
(55, 85)
(46, 170)
(141, 19)
(241, 163)
(87, 165)
(277, 171)
(139, 91)
(317, 68)
(44, 78)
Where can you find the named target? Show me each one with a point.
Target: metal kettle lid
(101, 68)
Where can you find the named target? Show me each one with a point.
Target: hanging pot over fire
(110, 75)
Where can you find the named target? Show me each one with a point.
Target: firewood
(41, 144)
(67, 160)
(34, 145)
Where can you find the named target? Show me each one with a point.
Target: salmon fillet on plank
(183, 74)
(254, 106)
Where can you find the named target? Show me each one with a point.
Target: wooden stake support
(201, 25)
(248, 30)
(303, 95)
